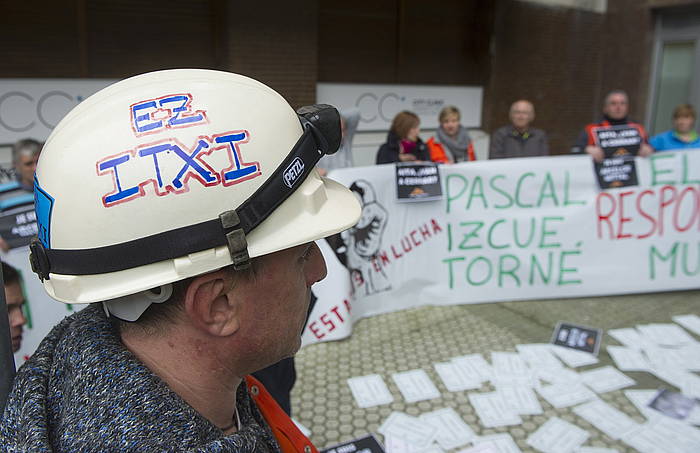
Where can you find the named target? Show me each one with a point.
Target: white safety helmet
(176, 173)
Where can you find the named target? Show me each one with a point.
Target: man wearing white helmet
(182, 205)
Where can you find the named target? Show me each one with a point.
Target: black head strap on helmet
(322, 135)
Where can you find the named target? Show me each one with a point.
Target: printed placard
(616, 172)
(581, 338)
(18, 227)
(367, 444)
(418, 182)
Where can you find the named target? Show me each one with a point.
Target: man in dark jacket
(186, 217)
(518, 139)
(615, 111)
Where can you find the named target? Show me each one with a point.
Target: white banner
(379, 104)
(31, 108)
(511, 229)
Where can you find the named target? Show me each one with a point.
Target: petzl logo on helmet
(293, 172)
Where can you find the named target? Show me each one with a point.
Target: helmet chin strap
(131, 307)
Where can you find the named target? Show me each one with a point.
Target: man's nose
(317, 269)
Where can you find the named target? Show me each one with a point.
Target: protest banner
(511, 230)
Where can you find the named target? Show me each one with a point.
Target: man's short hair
(449, 110)
(26, 146)
(10, 275)
(684, 110)
(614, 92)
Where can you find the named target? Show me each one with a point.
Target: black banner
(619, 144)
(366, 444)
(577, 337)
(418, 182)
(18, 226)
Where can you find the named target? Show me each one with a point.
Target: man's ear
(209, 306)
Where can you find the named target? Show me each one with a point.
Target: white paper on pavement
(641, 400)
(500, 443)
(395, 445)
(595, 450)
(538, 355)
(558, 375)
(566, 394)
(483, 448)
(606, 418)
(690, 322)
(411, 430)
(664, 358)
(474, 366)
(630, 337)
(629, 359)
(520, 399)
(606, 379)
(415, 385)
(492, 410)
(557, 436)
(665, 334)
(452, 430)
(369, 391)
(572, 357)
(508, 363)
(690, 356)
(655, 436)
(454, 377)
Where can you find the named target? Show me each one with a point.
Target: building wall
(550, 55)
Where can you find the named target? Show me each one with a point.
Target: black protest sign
(418, 182)
(617, 141)
(577, 337)
(367, 444)
(616, 172)
(18, 226)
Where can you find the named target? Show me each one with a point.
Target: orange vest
(288, 436)
(438, 154)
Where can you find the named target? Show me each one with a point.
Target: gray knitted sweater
(84, 391)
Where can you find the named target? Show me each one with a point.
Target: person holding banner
(683, 135)
(452, 142)
(18, 196)
(615, 120)
(518, 139)
(186, 217)
(402, 141)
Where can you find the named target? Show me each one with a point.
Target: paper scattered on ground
(663, 434)
(690, 322)
(606, 418)
(454, 378)
(665, 334)
(500, 443)
(574, 358)
(629, 359)
(452, 431)
(566, 394)
(474, 366)
(557, 436)
(522, 400)
(595, 450)
(605, 379)
(492, 410)
(415, 385)
(369, 391)
(412, 430)
(538, 356)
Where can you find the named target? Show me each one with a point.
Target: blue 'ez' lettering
(170, 111)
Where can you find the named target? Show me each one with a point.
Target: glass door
(676, 71)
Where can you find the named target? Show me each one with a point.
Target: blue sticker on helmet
(43, 206)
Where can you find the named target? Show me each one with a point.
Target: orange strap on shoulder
(288, 436)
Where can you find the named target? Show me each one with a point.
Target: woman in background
(451, 143)
(683, 135)
(402, 142)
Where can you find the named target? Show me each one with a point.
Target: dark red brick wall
(551, 56)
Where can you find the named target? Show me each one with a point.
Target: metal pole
(7, 358)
